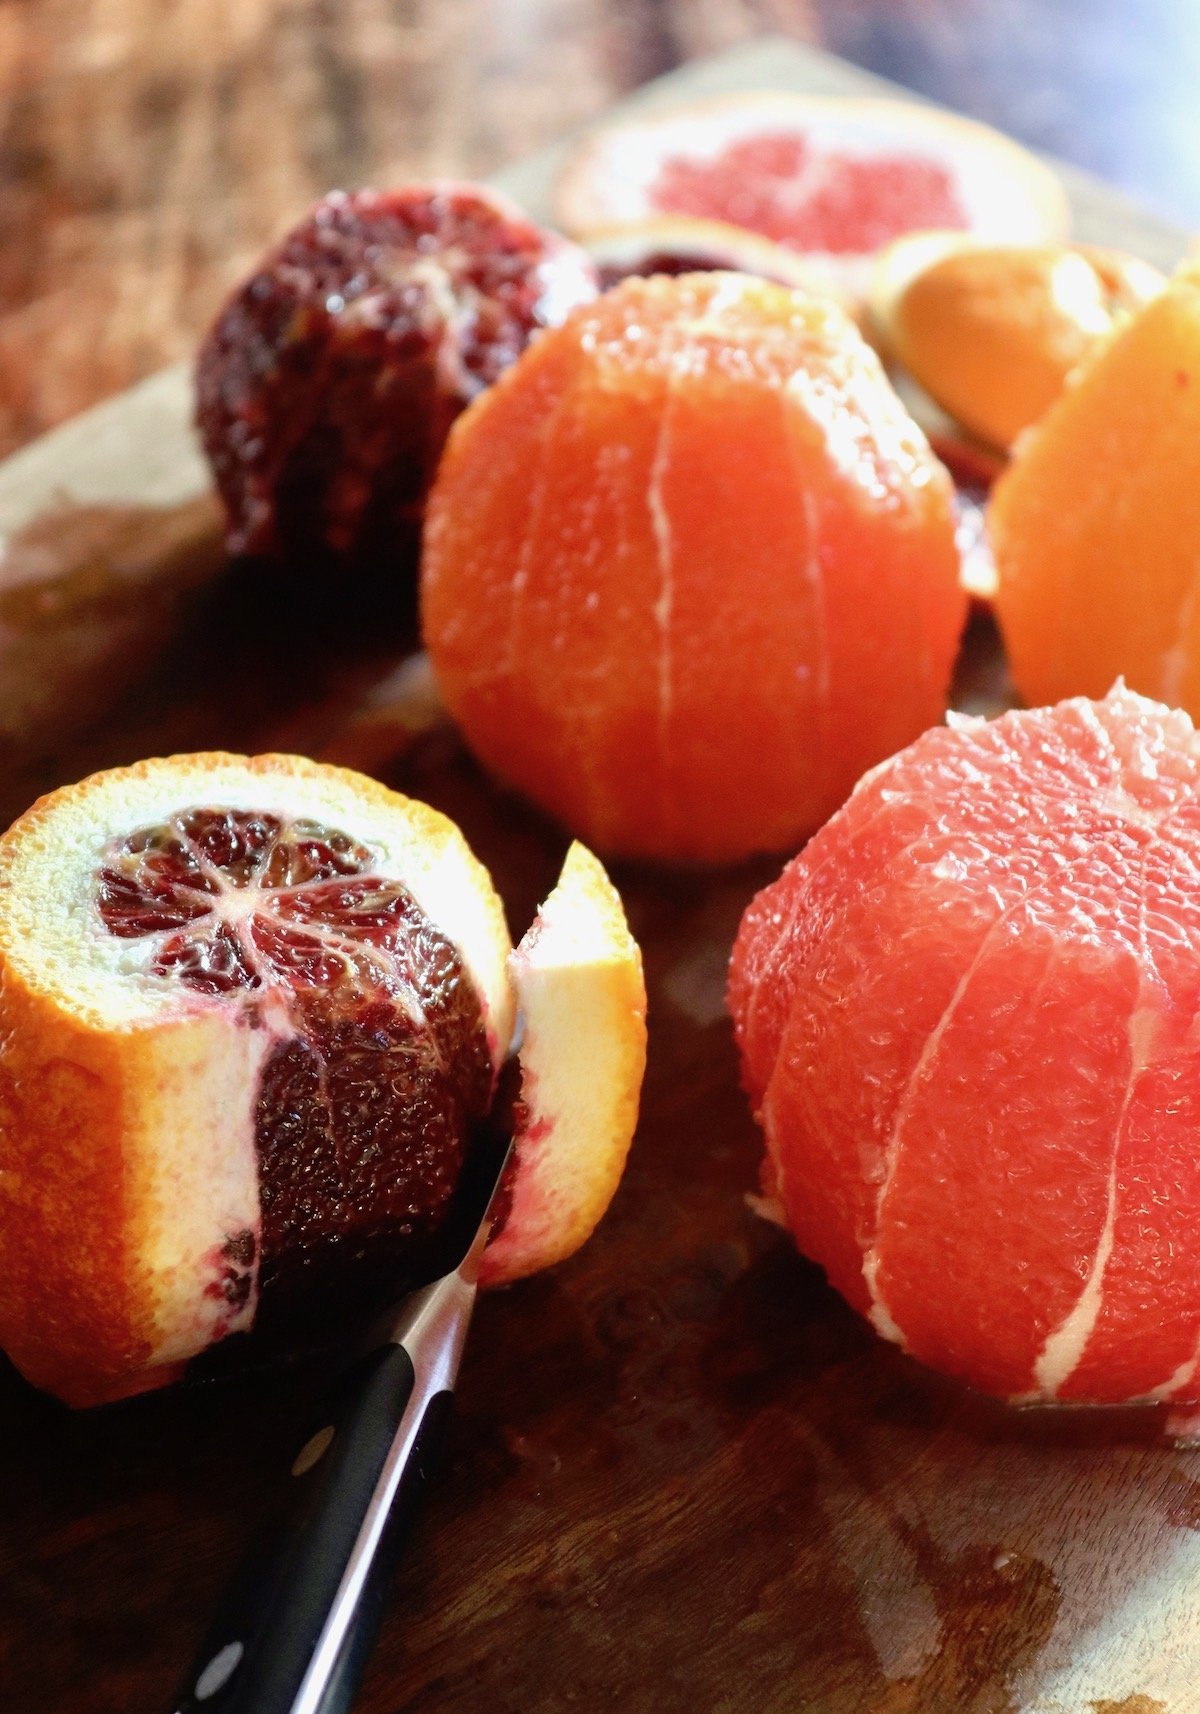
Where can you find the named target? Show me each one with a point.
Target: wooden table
(150, 148)
(683, 1476)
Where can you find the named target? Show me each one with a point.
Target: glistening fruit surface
(690, 567)
(967, 1015)
(379, 1062)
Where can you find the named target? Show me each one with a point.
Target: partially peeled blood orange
(967, 1016)
(251, 1011)
(833, 177)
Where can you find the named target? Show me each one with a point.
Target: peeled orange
(690, 567)
(967, 1022)
(250, 1012)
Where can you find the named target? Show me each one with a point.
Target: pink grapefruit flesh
(966, 1015)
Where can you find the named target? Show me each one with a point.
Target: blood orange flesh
(966, 1018)
(327, 385)
(380, 1063)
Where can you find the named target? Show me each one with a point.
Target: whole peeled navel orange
(690, 568)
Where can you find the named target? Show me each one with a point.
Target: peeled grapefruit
(967, 1016)
(834, 177)
(1094, 526)
(689, 568)
(993, 331)
(250, 1011)
(327, 384)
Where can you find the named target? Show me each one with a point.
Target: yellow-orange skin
(993, 332)
(75, 1313)
(690, 569)
(1095, 525)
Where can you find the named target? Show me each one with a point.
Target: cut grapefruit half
(833, 177)
(577, 977)
(967, 1023)
(250, 1013)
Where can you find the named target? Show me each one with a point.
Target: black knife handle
(297, 1622)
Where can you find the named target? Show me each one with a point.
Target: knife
(299, 1618)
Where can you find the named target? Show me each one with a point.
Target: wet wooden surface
(683, 1476)
(150, 148)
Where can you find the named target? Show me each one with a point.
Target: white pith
(578, 980)
(193, 1061)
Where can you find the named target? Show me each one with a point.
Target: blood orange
(966, 1016)
(689, 568)
(836, 178)
(327, 384)
(250, 1011)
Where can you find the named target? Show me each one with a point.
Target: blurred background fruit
(328, 383)
(831, 179)
(965, 1018)
(1095, 525)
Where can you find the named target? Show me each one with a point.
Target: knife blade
(298, 1620)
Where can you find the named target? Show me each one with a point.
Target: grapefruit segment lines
(976, 999)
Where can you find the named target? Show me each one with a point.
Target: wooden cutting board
(683, 1475)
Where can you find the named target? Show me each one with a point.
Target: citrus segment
(1094, 526)
(693, 526)
(577, 975)
(965, 1015)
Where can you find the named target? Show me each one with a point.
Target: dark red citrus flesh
(853, 206)
(328, 384)
(670, 262)
(966, 1018)
(382, 1066)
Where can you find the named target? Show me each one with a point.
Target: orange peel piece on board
(577, 976)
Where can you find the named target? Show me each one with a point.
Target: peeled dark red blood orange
(250, 1013)
(835, 178)
(967, 1022)
(689, 568)
(327, 384)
